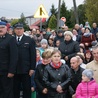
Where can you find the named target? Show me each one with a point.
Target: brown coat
(94, 66)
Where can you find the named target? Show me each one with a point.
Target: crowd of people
(49, 64)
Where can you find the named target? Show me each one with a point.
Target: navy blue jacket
(8, 54)
(26, 55)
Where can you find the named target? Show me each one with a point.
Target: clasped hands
(59, 89)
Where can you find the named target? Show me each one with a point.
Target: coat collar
(22, 40)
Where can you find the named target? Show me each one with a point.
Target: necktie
(18, 40)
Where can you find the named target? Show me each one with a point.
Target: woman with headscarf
(87, 38)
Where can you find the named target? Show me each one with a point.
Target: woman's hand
(59, 89)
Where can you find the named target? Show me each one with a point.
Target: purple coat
(87, 90)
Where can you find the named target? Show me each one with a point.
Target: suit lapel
(22, 40)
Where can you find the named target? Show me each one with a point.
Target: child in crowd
(38, 57)
(88, 56)
(58, 43)
(44, 45)
(50, 42)
(38, 61)
(88, 88)
(40, 86)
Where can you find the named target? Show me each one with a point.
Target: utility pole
(75, 11)
(40, 24)
(58, 17)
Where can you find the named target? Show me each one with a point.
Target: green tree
(72, 18)
(52, 22)
(81, 13)
(14, 21)
(91, 10)
(63, 10)
(23, 20)
(53, 10)
(65, 13)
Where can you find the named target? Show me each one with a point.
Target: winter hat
(60, 31)
(44, 41)
(68, 33)
(88, 72)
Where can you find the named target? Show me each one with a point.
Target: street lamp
(75, 11)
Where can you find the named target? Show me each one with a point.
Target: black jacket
(39, 72)
(26, 55)
(95, 32)
(8, 54)
(69, 49)
(78, 38)
(76, 77)
(54, 77)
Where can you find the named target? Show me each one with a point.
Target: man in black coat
(94, 30)
(59, 36)
(8, 60)
(26, 62)
(76, 73)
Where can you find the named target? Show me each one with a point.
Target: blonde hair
(46, 54)
(56, 51)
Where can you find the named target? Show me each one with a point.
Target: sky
(14, 8)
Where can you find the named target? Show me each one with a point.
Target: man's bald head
(77, 26)
(75, 63)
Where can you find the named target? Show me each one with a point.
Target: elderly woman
(68, 48)
(56, 77)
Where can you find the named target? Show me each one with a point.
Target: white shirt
(74, 37)
(20, 37)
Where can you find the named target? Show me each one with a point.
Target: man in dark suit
(26, 62)
(8, 60)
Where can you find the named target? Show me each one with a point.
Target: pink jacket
(87, 90)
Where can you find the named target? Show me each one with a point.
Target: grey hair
(95, 47)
